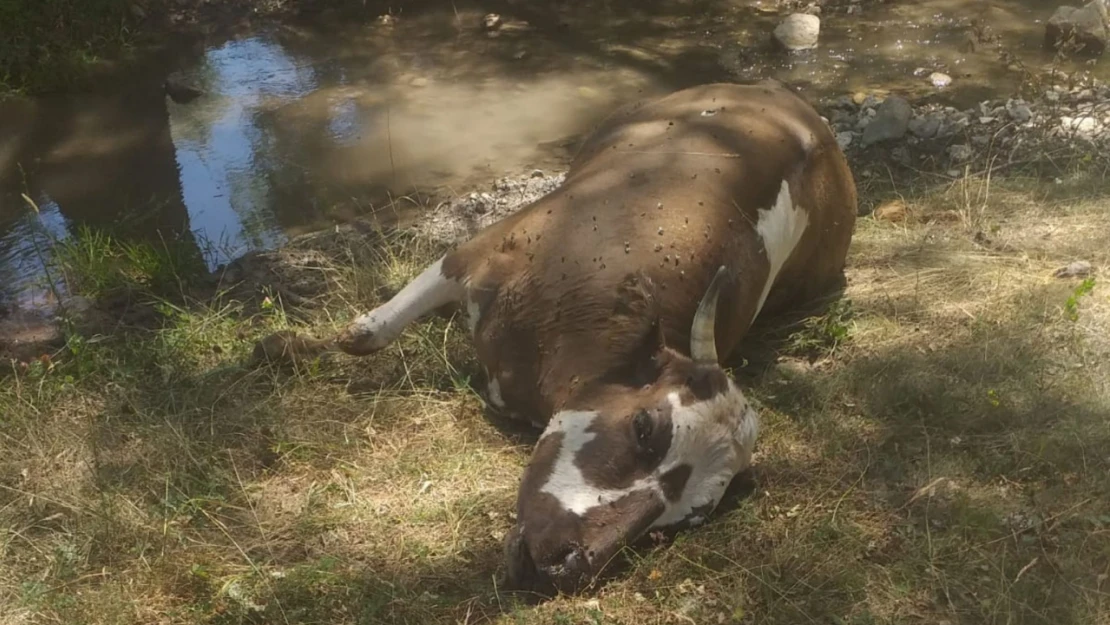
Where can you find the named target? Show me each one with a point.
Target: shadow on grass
(976, 449)
(262, 496)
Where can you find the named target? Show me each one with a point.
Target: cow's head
(655, 454)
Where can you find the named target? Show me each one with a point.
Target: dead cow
(599, 311)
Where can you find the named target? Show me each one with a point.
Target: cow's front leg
(378, 328)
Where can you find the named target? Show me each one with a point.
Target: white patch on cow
(715, 438)
(566, 482)
(473, 315)
(430, 290)
(781, 227)
(494, 392)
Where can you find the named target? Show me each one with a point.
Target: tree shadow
(988, 404)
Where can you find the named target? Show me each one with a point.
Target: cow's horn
(703, 343)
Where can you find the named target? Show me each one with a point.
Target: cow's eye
(642, 427)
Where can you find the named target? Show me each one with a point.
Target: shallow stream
(313, 123)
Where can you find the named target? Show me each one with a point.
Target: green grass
(98, 265)
(940, 456)
(52, 44)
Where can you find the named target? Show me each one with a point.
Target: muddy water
(309, 124)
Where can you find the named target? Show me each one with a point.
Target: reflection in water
(22, 251)
(304, 126)
(222, 150)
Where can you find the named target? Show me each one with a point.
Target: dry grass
(946, 462)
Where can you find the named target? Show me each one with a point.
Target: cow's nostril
(569, 569)
(566, 555)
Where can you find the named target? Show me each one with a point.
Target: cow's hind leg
(378, 328)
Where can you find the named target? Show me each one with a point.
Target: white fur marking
(430, 290)
(473, 315)
(494, 392)
(714, 437)
(781, 227)
(566, 482)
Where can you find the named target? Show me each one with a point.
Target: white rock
(1081, 125)
(799, 31)
(940, 80)
(844, 139)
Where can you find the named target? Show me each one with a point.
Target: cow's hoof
(357, 343)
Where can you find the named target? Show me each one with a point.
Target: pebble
(1081, 125)
(891, 120)
(799, 31)
(940, 80)
(1083, 110)
(960, 152)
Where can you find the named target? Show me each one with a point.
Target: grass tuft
(97, 265)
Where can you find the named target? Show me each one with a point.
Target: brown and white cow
(599, 311)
